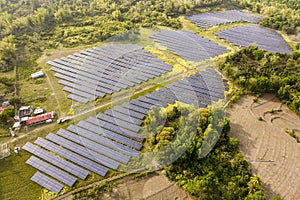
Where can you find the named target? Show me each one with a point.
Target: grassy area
(15, 178)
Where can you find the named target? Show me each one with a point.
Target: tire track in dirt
(266, 140)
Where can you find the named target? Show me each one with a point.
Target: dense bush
(222, 173)
(259, 71)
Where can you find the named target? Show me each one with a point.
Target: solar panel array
(47, 182)
(112, 138)
(99, 71)
(188, 45)
(264, 38)
(213, 18)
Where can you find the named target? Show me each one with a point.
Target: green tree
(7, 53)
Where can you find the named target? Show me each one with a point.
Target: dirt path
(273, 154)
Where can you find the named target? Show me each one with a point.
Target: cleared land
(155, 186)
(273, 154)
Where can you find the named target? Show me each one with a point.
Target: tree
(6, 114)
(7, 53)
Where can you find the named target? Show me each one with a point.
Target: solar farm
(189, 45)
(264, 38)
(101, 71)
(112, 138)
(213, 18)
(75, 154)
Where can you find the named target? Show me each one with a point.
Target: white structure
(38, 111)
(37, 75)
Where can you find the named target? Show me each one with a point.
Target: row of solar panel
(188, 45)
(221, 17)
(264, 38)
(112, 138)
(99, 71)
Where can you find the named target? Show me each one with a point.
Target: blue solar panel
(92, 91)
(108, 153)
(142, 104)
(79, 93)
(129, 112)
(116, 129)
(152, 101)
(51, 171)
(77, 148)
(57, 161)
(82, 132)
(85, 86)
(78, 98)
(154, 95)
(118, 122)
(75, 158)
(124, 117)
(47, 182)
(135, 108)
(109, 134)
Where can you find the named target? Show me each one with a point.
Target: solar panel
(78, 98)
(47, 182)
(188, 45)
(264, 38)
(156, 97)
(82, 70)
(142, 104)
(92, 155)
(79, 93)
(108, 149)
(51, 170)
(116, 129)
(84, 75)
(124, 117)
(131, 113)
(152, 101)
(94, 70)
(118, 122)
(82, 132)
(135, 108)
(57, 161)
(166, 95)
(75, 158)
(109, 134)
(91, 91)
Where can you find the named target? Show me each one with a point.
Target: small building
(37, 75)
(26, 111)
(40, 119)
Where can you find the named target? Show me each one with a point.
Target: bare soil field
(273, 154)
(152, 187)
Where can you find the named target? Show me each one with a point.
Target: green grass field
(15, 178)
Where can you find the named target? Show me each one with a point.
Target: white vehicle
(49, 121)
(62, 120)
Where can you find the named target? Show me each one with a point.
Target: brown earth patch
(273, 154)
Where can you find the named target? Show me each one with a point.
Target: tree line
(259, 71)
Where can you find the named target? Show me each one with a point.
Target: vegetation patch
(259, 71)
